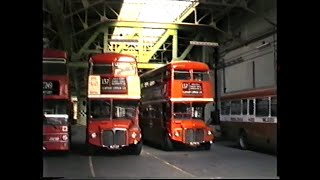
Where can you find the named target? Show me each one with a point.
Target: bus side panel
(262, 135)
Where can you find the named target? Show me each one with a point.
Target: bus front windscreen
(188, 111)
(55, 112)
(124, 110)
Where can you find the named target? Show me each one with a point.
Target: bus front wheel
(207, 146)
(166, 144)
(136, 149)
(91, 149)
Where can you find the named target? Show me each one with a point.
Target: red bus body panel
(50, 131)
(98, 126)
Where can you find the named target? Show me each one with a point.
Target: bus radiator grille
(120, 137)
(117, 137)
(194, 135)
(107, 138)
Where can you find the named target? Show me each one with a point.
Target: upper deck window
(125, 69)
(182, 75)
(54, 68)
(201, 76)
(99, 69)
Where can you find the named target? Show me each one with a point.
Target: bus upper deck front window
(125, 69)
(182, 75)
(54, 68)
(99, 69)
(200, 76)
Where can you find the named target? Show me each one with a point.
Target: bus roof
(251, 93)
(109, 58)
(179, 65)
(54, 53)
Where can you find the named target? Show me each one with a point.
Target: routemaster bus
(57, 111)
(113, 97)
(250, 118)
(173, 100)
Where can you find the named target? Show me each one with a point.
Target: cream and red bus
(173, 100)
(57, 111)
(113, 98)
(250, 118)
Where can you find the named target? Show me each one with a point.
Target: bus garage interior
(236, 39)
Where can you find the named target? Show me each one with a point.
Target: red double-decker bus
(113, 98)
(57, 111)
(173, 105)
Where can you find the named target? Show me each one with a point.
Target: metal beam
(156, 46)
(190, 46)
(83, 9)
(105, 40)
(175, 44)
(150, 65)
(208, 2)
(261, 15)
(79, 64)
(187, 13)
(154, 25)
(88, 43)
(62, 27)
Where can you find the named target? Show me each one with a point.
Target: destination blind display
(113, 85)
(191, 89)
(50, 88)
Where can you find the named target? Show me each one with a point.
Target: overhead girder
(189, 48)
(85, 47)
(62, 28)
(152, 25)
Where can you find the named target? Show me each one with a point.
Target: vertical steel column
(174, 44)
(140, 45)
(105, 40)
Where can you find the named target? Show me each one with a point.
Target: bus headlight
(93, 135)
(134, 135)
(209, 133)
(65, 137)
(177, 134)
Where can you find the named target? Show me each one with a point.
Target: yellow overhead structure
(143, 43)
